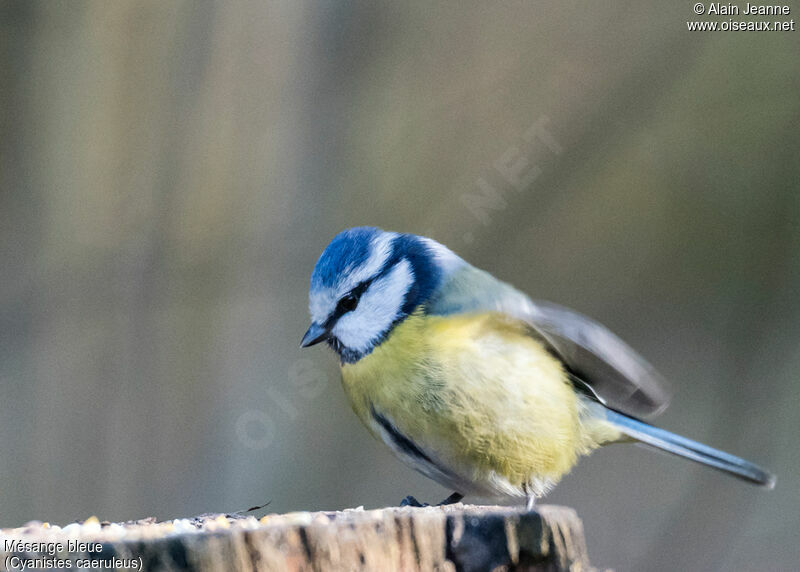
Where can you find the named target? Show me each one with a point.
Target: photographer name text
(719, 9)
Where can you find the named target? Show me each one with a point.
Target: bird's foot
(411, 501)
(452, 499)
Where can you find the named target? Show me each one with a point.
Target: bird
(474, 384)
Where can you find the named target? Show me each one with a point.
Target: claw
(452, 499)
(411, 501)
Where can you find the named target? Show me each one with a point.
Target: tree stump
(455, 537)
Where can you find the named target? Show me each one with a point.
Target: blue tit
(472, 383)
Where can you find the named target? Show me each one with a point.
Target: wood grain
(457, 537)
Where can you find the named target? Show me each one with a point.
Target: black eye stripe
(358, 290)
(349, 301)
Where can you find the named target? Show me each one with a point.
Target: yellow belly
(480, 397)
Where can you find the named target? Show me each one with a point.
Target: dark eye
(348, 303)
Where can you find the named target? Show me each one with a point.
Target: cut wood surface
(455, 537)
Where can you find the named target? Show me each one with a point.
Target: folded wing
(597, 360)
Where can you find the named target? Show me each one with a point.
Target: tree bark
(456, 537)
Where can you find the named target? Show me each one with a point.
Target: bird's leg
(411, 501)
(531, 496)
(452, 499)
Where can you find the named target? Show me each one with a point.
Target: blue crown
(349, 249)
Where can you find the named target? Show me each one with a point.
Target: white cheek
(379, 306)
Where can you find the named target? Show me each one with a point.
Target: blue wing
(611, 370)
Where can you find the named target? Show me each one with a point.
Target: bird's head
(366, 282)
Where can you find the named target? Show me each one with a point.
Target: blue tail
(692, 450)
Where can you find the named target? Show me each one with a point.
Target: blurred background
(170, 171)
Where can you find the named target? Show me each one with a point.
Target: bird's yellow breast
(478, 395)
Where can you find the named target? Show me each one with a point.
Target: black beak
(314, 335)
